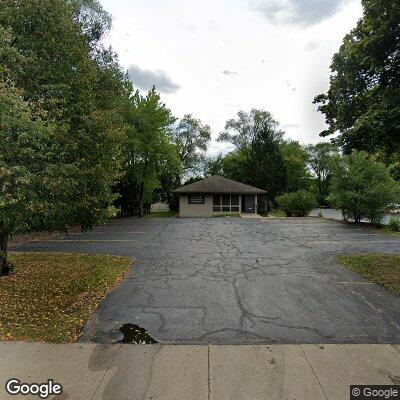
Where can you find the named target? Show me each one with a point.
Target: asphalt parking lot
(234, 280)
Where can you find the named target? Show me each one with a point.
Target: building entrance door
(249, 203)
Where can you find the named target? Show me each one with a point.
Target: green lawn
(49, 297)
(383, 269)
(226, 214)
(160, 214)
(275, 213)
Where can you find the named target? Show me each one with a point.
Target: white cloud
(186, 26)
(311, 46)
(289, 126)
(301, 12)
(144, 79)
(227, 72)
(280, 67)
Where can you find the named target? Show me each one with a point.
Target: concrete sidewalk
(308, 372)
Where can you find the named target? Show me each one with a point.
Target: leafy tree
(78, 85)
(62, 97)
(235, 166)
(321, 159)
(148, 152)
(191, 137)
(95, 22)
(213, 166)
(362, 103)
(164, 192)
(363, 188)
(257, 159)
(296, 160)
(392, 161)
(266, 165)
(297, 204)
(26, 171)
(241, 131)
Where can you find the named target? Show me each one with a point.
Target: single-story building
(217, 195)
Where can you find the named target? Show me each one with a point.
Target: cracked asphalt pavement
(239, 281)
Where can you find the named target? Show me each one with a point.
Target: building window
(229, 202)
(226, 199)
(217, 200)
(196, 198)
(234, 200)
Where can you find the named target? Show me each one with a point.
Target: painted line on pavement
(80, 233)
(358, 234)
(89, 240)
(356, 241)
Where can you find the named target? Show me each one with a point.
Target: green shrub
(297, 204)
(394, 224)
(363, 188)
(262, 205)
(276, 213)
(112, 212)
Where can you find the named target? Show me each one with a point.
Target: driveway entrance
(233, 280)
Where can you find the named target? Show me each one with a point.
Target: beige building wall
(195, 210)
(202, 210)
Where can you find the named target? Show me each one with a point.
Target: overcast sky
(212, 58)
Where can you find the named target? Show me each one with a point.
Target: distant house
(216, 195)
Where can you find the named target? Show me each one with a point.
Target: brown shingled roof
(218, 184)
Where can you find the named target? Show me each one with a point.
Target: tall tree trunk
(140, 207)
(141, 200)
(5, 265)
(319, 188)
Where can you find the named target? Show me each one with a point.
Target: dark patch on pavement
(131, 333)
(233, 280)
